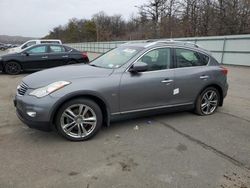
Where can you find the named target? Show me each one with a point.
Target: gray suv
(132, 79)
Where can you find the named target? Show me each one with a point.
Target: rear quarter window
(68, 48)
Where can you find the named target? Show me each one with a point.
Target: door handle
(204, 77)
(44, 57)
(167, 81)
(64, 56)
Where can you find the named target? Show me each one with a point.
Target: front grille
(21, 89)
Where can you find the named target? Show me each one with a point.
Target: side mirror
(26, 53)
(138, 67)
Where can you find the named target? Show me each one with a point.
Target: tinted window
(157, 59)
(55, 49)
(188, 58)
(37, 50)
(29, 44)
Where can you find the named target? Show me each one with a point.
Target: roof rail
(171, 41)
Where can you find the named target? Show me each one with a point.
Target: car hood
(10, 54)
(14, 50)
(64, 73)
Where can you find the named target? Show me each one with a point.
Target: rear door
(58, 55)
(152, 88)
(37, 57)
(191, 74)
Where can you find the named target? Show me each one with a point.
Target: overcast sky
(34, 18)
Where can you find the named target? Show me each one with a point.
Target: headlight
(44, 91)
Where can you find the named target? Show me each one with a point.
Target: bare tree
(162, 18)
(153, 10)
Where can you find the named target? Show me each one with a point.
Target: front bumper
(43, 126)
(42, 107)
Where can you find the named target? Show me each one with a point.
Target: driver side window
(158, 59)
(38, 50)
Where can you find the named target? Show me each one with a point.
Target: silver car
(133, 79)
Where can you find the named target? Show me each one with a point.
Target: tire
(12, 68)
(76, 126)
(207, 102)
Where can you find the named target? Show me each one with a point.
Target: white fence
(234, 50)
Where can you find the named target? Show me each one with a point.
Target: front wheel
(12, 68)
(79, 119)
(207, 102)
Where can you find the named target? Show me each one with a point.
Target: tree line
(162, 19)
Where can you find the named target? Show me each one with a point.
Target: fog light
(32, 114)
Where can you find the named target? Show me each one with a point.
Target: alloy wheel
(78, 121)
(209, 102)
(12, 68)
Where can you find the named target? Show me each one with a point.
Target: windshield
(116, 57)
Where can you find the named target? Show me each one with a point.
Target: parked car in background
(3, 46)
(33, 42)
(12, 45)
(41, 56)
(131, 79)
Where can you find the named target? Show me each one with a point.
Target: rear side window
(189, 58)
(56, 49)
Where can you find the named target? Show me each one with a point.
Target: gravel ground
(174, 150)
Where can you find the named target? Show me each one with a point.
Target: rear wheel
(79, 119)
(207, 102)
(12, 68)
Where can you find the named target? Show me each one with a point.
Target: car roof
(171, 43)
(46, 44)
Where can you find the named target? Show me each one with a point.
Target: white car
(33, 42)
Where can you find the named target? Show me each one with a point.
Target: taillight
(84, 55)
(224, 70)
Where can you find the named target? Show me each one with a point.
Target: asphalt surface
(170, 151)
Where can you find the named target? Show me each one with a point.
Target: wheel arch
(218, 87)
(95, 97)
(13, 60)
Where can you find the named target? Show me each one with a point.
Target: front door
(37, 57)
(152, 88)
